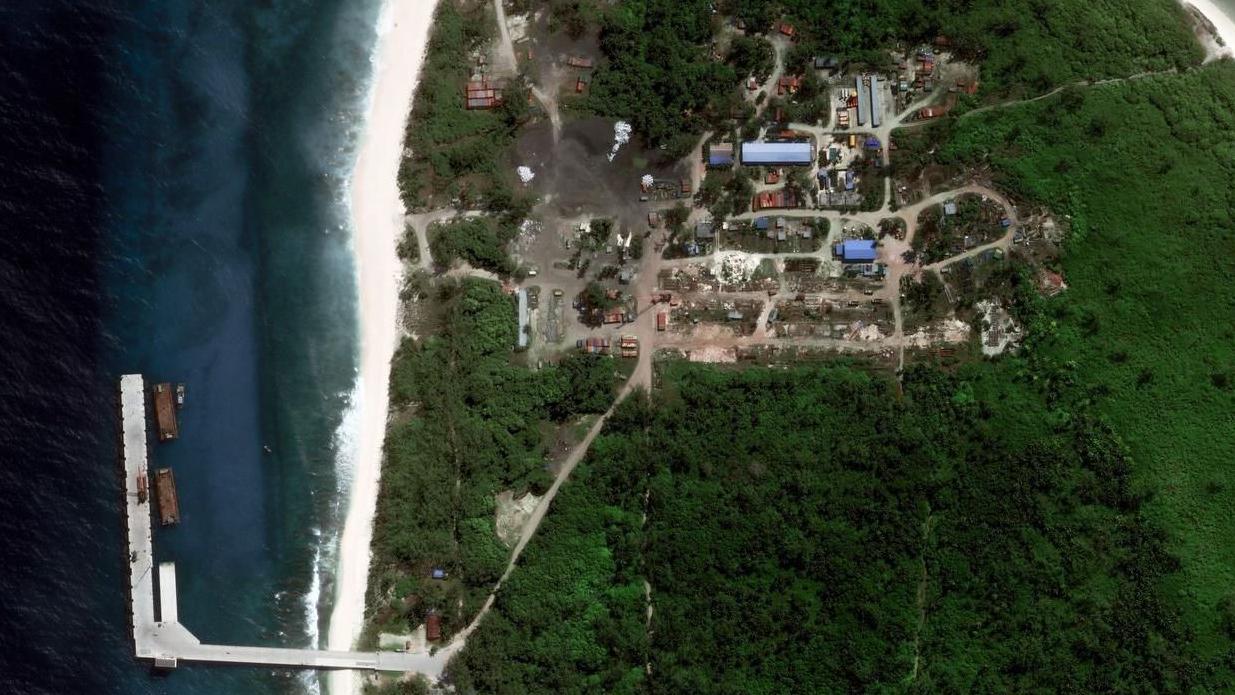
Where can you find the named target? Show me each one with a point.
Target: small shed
(433, 626)
(828, 63)
(705, 230)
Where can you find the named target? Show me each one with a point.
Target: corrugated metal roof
(720, 154)
(524, 318)
(778, 153)
(856, 250)
(864, 101)
(875, 108)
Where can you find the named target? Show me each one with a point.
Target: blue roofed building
(856, 250)
(778, 154)
(761, 223)
(720, 154)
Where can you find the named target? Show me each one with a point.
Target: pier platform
(162, 639)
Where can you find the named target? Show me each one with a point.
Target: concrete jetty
(161, 638)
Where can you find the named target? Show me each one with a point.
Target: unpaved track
(645, 324)
(510, 63)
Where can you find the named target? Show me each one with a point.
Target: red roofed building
(774, 199)
(433, 626)
(1051, 283)
(787, 29)
(482, 94)
(788, 84)
(929, 112)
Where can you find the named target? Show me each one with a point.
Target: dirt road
(507, 51)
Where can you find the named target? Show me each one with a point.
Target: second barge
(165, 488)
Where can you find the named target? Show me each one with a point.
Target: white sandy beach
(377, 220)
(1222, 22)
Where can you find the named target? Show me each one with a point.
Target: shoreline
(377, 215)
(1214, 28)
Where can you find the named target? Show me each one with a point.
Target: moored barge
(165, 489)
(165, 412)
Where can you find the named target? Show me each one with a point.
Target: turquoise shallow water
(186, 170)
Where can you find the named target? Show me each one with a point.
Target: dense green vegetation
(1055, 521)
(728, 192)
(810, 531)
(479, 241)
(1023, 45)
(571, 619)
(467, 425)
(451, 152)
(752, 56)
(658, 72)
(1144, 335)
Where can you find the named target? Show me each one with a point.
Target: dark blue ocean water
(172, 202)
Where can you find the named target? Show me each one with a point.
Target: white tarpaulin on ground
(621, 136)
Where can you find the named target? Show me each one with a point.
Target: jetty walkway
(158, 635)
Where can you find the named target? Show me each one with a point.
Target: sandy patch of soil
(512, 514)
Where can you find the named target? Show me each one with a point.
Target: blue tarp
(856, 250)
(720, 159)
(761, 223)
(787, 153)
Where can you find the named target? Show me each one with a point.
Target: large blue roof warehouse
(778, 153)
(856, 250)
